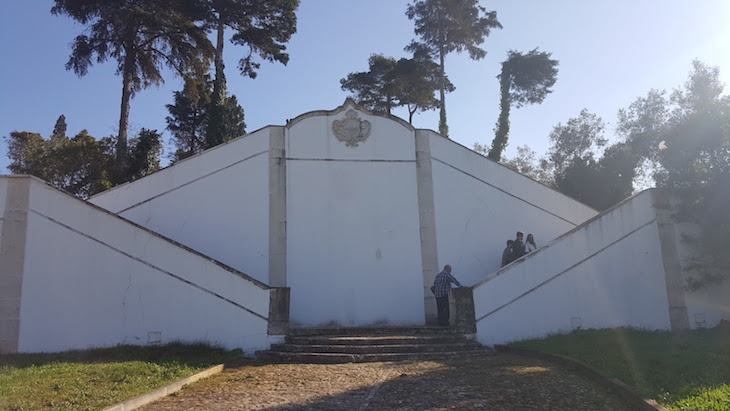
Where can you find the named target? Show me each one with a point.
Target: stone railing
(461, 303)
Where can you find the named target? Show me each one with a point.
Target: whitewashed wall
(608, 273)
(480, 205)
(92, 279)
(709, 305)
(3, 197)
(353, 253)
(216, 203)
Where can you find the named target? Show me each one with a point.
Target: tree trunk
(214, 133)
(500, 138)
(219, 46)
(124, 115)
(443, 126)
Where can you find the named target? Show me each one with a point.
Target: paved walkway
(501, 382)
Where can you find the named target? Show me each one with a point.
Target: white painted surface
(216, 203)
(353, 253)
(223, 216)
(3, 197)
(480, 205)
(3, 193)
(311, 137)
(612, 275)
(710, 304)
(92, 280)
(183, 172)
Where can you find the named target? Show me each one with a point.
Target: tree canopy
(526, 78)
(374, 89)
(59, 130)
(264, 27)
(445, 26)
(390, 83)
(142, 36)
(82, 165)
(189, 121)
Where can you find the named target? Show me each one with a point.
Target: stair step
(336, 358)
(373, 331)
(376, 339)
(374, 349)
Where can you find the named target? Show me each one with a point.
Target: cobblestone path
(501, 382)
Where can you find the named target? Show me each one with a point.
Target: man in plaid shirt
(441, 287)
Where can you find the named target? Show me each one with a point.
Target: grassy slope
(94, 379)
(688, 371)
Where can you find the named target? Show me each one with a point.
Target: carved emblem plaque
(351, 130)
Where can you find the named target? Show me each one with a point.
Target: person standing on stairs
(441, 287)
(530, 244)
(507, 253)
(518, 248)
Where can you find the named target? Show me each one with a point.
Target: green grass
(95, 379)
(685, 371)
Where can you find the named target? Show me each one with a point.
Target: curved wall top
(349, 132)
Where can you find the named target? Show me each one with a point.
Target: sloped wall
(607, 273)
(480, 205)
(92, 279)
(216, 203)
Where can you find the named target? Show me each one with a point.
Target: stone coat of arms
(351, 130)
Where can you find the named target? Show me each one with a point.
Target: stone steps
(361, 331)
(376, 340)
(328, 346)
(336, 358)
(376, 349)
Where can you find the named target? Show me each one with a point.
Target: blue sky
(610, 52)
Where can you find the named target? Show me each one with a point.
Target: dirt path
(501, 382)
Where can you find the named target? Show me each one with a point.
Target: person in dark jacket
(518, 248)
(507, 253)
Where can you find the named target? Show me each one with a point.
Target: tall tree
(389, 83)
(526, 162)
(445, 26)
(697, 138)
(142, 36)
(59, 130)
(580, 170)
(82, 165)
(526, 78)
(263, 26)
(578, 139)
(417, 80)
(188, 121)
(234, 124)
(684, 139)
(376, 88)
(144, 155)
(27, 154)
(76, 165)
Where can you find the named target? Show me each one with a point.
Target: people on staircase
(507, 253)
(530, 244)
(518, 248)
(441, 287)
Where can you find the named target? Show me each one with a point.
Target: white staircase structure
(339, 218)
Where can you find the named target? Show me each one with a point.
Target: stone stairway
(341, 345)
